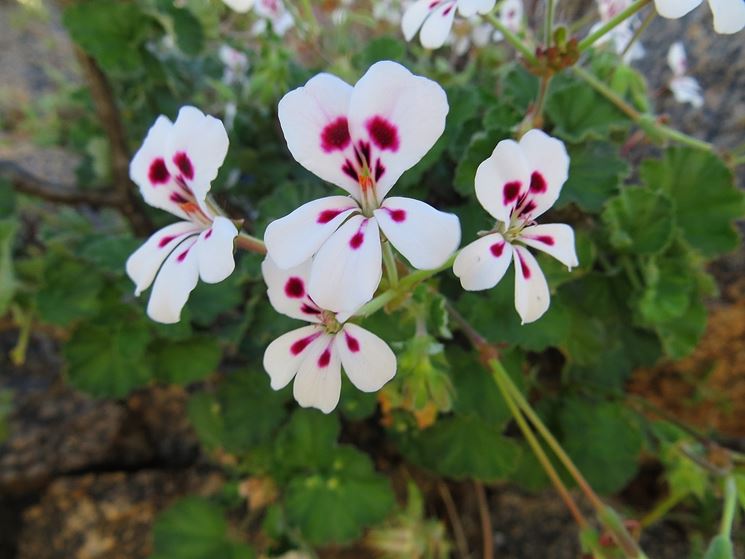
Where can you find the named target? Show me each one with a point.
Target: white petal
(176, 280)
(687, 90)
(348, 267)
(673, 9)
(288, 290)
(729, 15)
(241, 6)
(676, 59)
(414, 17)
(215, 250)
(483, 263)
(293, 239)
(556, 239)
(318, 382)
(425, 236)
(144, 263)
(468, 8)
(437, 27)
(368, 361)
(149, 171)
(502, 179)
(283, 356)
(532, 297)
(400, 115)
(314, 123)
(198, 146)
(549, 166)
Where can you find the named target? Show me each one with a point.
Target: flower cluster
(685, 88)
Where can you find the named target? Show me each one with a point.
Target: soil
(83, 478)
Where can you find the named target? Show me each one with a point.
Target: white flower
(240, 6)
(435, 18)
(685, 88)
(274, 12)
(174, 169)
(314, 355)
(470, 32)
(362, 139)
(511, 16)
(622, 34)
(516, 184)
(235, 65)
(729, 15)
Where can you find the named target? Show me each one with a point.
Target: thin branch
(109, 117)
(460, 535)
(28, 183)
(487, 532)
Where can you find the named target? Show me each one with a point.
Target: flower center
(329, 322)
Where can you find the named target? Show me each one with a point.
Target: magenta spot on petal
(307, 309)
(327, 215)
(497, 249)
(383, 133)
(399, 216)
(349, 170)
(176, 197)
(379, 169)
(527, 208)
(447, 10)
(357, 239)
(524, 266)
(184, 165)
(181, 257)
(545, 239)
(335, 136)
(297, 347)
(352, 343)
(295, 288)
(537, 183)
(208, 234)
(158, 173)
(363, 153)
(165, 240)
(510, 192)
(325, 358)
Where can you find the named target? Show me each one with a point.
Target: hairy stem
(459, 533)
(611, 24)
(250, 243)
(486, 525)
(548, 23)
(636, 116)
(511, 38)
(389, 261)
(730, 504)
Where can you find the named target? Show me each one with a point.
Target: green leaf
(680, 336)
(519, 88)
(669, 285)
(111, 31)
(7, 198)
(185, 361)
(7, 275)
(640, 221)
(244, 412)
(707, 201)
(475, 391)
(720, 548)
(305, 442)
(604, 441)
(579, 113)
(6, 407)
(336, 507)
(109, 252)
(188, 31)
(380, 48)
(464, 447)
(70, 290)
(595, 173)
(106, 357)
(481, 146)
(194, 528)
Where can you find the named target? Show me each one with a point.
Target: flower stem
(611, 24)
(511, 38)
(389, 260)
(638, 32)
(498, 372)
(730, 503)
(549, 23)
(252, 244)
(607, 516)
(404, 286)
(642, 119)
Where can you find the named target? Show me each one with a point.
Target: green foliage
(706, 199)
(640, 221)
(182, 362)
(194, 528)
(595, 174)
(8, 286)
(604, 441)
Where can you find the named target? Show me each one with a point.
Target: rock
(105, 516)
